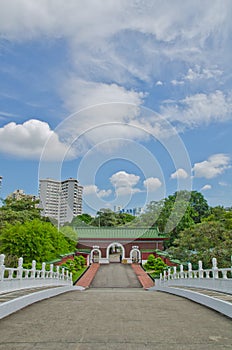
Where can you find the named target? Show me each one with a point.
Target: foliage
(203, 242)
(156, 265)
(106, 217)
(81, 220)
(76, 265)
(34, 240)
(69, 233)
(18, 211)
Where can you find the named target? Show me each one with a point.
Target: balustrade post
(51, 271)
(190, 270)
(169, 273)
(57, 271)
(67, 275)
(200, 269)
(2, 266)
(215, 268)
(181, 271)
(62, 273)
(20, 268)
(174, 272)
(43, 270)
(33, 269)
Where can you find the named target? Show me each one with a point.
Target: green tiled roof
(118, 232)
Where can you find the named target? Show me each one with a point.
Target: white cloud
(206, 188)
(29, 139)
(93, 189)
(159, 83)
(152, 184)
(123, 179)
(177, 82)
(214, 166)
(179, 174)
(197, 73)
(223, 184)
(124, 183)
(199, 109)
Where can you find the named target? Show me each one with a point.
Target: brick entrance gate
(135, 243)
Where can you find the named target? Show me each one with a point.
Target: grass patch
(78, 273)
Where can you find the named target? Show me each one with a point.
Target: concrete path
(115, 276)
(110, 319)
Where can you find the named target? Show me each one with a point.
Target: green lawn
(78, 273)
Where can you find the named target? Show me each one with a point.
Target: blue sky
(133, 98)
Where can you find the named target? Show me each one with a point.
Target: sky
(132, 98)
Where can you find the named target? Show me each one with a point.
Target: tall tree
(34, 239)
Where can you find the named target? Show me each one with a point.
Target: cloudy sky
(133, 98)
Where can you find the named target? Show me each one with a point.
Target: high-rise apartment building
(61, 200)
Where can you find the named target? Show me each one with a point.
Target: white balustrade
(20, 278)
(219, 279)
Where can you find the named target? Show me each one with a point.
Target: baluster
(169, 273)
(224, 274)
(190, 270)
(57, 271)
(2, 266)
(20, 268)
(174, 272)
(215, 268)
(181, 271)
(62, 273)
(200, 269)
(43, 270)
(33, 269)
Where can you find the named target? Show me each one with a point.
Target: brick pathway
(143, 277)
(89, 275)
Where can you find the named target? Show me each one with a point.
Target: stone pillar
(174, 272)
(20, 268)
(190, 270)
(200, 269)
(43, 270)
(181, 271)
(215, 268)
(57, 271)
(2, 266)
(33, 269)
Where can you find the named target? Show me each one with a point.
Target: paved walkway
(115, 276)
(86, 280)
(110, 319)
(143, 277)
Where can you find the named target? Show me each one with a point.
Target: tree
(203, 242)
(18, 211)
(156, 265)
(81, 220)
(34, 239)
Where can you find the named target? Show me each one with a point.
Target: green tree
(18, 211)
(34, 240)
(156, 265)
(81, 220)
(202, 242)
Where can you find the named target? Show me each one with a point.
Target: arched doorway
(95, 255)
(135, 255)
(113, 252)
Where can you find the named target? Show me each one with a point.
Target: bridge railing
(20, 278)
(218, 279)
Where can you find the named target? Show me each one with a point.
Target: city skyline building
(60, 200)
(20, 194)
